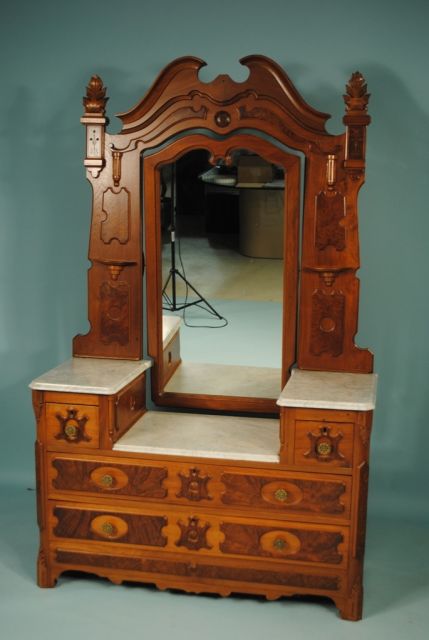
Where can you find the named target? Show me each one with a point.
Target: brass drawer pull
(279, 544)
(281, 495)
(109, 529)
(107, 480)
(324, 448)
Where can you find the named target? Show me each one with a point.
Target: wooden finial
(357, 97)
(95, 99)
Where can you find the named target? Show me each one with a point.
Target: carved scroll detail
(194, 487)
(327, 323)
(116, 225)
(193, 536)
(115, 312)
(95, 99)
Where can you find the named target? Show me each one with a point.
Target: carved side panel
(114, 312)
(330, 212)
(116, 225)
(327, 323)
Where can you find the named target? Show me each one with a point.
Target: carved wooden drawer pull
(109, 526)
(72, 428)
(109, 478)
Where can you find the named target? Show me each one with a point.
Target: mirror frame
(219, 149)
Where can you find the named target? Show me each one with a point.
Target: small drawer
(130, 405)
(323, 443)
(72, 425)
(108, 478)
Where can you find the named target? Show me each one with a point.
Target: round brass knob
(281, 495)
(108, 528)
(107, 480)
(279, 544)
(71, 431)
(324, 449)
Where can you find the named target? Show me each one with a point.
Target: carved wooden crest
(72, 427)
(324, 447)
(193, 536)
(194, 486)
(95, 99)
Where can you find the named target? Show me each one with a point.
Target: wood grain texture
(315, 546)
(201, 570)
(112, 479)
(140, 529)
(309, 496)
(73, 426)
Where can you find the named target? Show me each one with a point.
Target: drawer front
(288, 493)
(155, 569)
(106, 478)
(206, 485)
(296, 543)
(186, 532)
(108, 526)
(72, 425)
(130, 405)
(323, 444)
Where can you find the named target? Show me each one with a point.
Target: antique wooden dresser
(234, 476)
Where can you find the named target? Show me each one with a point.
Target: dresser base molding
(199, 576)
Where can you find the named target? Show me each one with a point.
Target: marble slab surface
(329, 390)
(205, 436)
(90, 375)
(225, 380)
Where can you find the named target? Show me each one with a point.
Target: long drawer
(219, 575)
(251, 490)
(208, 534)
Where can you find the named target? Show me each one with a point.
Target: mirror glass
(222, 235)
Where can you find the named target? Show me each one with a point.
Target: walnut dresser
(234, 476)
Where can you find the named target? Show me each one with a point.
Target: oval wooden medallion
(280, 543)
(109, 527)
(109, 478)
(281, 493)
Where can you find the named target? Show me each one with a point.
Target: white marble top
(205, 436)
(225, 380)
(170, 326)
(329, 390)
(90, 375)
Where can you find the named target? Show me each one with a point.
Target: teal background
(48, 51)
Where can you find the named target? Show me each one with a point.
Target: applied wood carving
(330, 212)
(95, 99)
(72, 427)
(324, 446)
(194, 487)
(114, 308)
(327, 323)
(193, 535)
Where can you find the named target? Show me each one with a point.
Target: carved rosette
(324, 446)
(193, 535)
(72, 427)
(327, 323)
(194, 486)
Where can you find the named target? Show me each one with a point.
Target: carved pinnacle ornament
(357, 97)
(95, 99)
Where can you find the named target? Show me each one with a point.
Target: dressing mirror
(221, 222)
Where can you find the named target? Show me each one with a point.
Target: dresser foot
(351, 609)
(44, 576)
